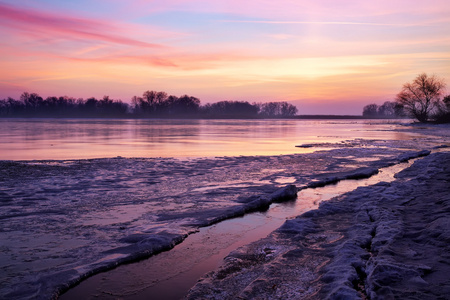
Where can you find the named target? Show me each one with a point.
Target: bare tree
(421, 97)
(150, 97)
(276, 109)
(288, 110)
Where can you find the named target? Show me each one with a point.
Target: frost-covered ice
(64, 220)
(385, 241)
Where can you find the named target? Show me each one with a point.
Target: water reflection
(94, 138)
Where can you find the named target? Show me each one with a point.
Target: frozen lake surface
(29, 139)
(62, 220)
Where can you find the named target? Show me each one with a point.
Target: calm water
(29, 139)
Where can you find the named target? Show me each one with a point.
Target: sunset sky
(324, 56)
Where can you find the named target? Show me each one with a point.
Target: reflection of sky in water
(73, 139)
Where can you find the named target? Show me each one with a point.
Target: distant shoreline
(342, 117)
(299, 117)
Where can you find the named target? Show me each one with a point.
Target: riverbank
(379, 242)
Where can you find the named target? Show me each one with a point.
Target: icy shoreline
(73, 233)
(378, 242)
(88, 216)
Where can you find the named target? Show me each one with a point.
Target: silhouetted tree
(421, 97)
(387, 110)
(161, 97)
(151, 104)
(277, 109)
(399, 110)
(136, 103)
(4, 108)
(150, 97)
(269, 109)
(446, 102)
(370, 110)
(442, 114)
(231, 109)
(168, 106)
(288, 110)
(12, 108)
(109, 108)
(33, 103)
(89, 107)
(185, 105)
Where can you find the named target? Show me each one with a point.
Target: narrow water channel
(170, 275)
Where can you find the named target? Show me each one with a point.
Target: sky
(324, 56)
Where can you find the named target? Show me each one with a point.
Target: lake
(44, 139)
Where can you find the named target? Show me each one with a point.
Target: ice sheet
(64, 220)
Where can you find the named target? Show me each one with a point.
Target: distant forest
(387, 110)
(152, 104)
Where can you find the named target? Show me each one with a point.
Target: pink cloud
(180, 61)
(65, 26)
(129, 59)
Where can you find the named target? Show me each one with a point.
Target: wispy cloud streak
(316, 23)
(69, 27)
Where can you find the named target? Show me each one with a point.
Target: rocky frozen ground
(62, 221)
(386, 241)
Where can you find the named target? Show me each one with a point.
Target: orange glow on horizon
(305, 60)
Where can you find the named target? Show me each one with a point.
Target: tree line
(151, 104)
(388, 110)
(419, 99)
